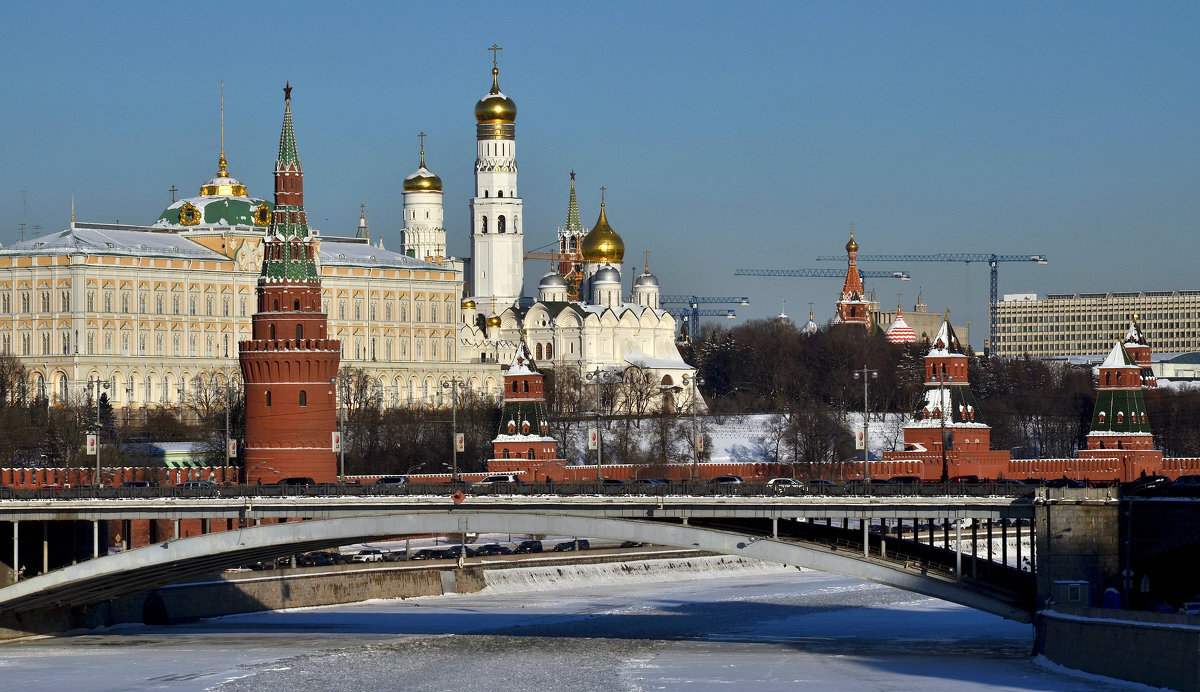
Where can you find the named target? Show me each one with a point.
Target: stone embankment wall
(1154, 649)
(230, 593)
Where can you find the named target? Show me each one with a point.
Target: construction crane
(967, 257)
(691, 313)
(821, 273)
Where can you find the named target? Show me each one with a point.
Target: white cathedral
(581, 319)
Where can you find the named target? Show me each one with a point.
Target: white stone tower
(424, 233)
(497, 236)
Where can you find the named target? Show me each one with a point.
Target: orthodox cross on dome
(647, 254)
(287, 91)
(495, 54)
(421, 136)
(173, 190)
(602, 190)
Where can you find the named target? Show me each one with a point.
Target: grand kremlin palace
(148, 308)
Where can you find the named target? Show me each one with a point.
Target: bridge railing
(980, 490)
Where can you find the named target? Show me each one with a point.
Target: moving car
(368, 555)
(392, 480)
(497, 478)
(296, 480)
(528, 547)
(194, 485)
(785, 482)
(569, 546)
(493, 549)
(727, 480)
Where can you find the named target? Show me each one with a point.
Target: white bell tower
(497, 233)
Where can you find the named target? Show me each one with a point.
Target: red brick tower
(853, 308)
(289, 362)
(524, 423)
(1119, 426)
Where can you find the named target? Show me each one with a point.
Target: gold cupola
(495, 107)
(422, 180)
(492, 321)
(852, 246)
(602, 244)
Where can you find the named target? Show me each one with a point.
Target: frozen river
(770, 628)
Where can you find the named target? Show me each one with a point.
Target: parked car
(1065, 482)
(296, 480)
(528, 547)
(970, 478)
(368, 555)
(727, 480)
(493, 549)
(569, 546)
(1148, 486)
(318, 559)
(820, 484)
(424, 554)
(395, 556)
(198, 485)
(392, 480)
(612, 481)
(454, 551)
(651, 481)
(139, 484)
(633, 544)
(498, 478)
(785, 483)
(916, 480)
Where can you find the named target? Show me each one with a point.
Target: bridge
(954, 548)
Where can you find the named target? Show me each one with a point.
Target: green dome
(220, 211)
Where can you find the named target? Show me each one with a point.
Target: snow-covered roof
(946, 342)
(344, 253)
(522, 362)
(1118, 357)
(112, 239)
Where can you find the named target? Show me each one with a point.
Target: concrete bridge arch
(150, 567)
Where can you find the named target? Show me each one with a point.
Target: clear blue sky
(728, 134)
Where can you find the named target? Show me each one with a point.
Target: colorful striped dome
(899, 332)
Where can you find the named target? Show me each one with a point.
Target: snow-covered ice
(761, 627)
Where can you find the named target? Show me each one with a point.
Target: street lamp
(99, 383)
(693, 380)
(942, 378)
(600, 377)
(874, 375)
(452, 385)
(341, 428)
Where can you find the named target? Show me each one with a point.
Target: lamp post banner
(593, 438)
(337, 441)
(91, 444)
(460, 442)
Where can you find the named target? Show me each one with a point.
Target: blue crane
(821, 273)
(991, 258)
(690, 312)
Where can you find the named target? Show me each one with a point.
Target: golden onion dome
(493, 321)
(223, 184)
(422, 180)
(495, 107)
(602, 244)
(467, 304)
(851, 246)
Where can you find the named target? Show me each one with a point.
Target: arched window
(526, 383)
(500, 223)
(303, 398)
(268, 397)
(504, 453)
(500, 193)
(483, 223)
(1107, 378)
(297, 305)
(512, 428)
(524, 427)
(515, 385)
(549, 351)
(299, 332)
(276, 304)
(271, 330)
(539, 352)
(529, 454)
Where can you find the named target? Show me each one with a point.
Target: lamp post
(227, 427)
(99, 383)
(600, 377)
(942, 377)
(453, 386)
(874, 375)
(333, 382)
(693, 380)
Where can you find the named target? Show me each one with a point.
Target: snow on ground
(745, 438)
